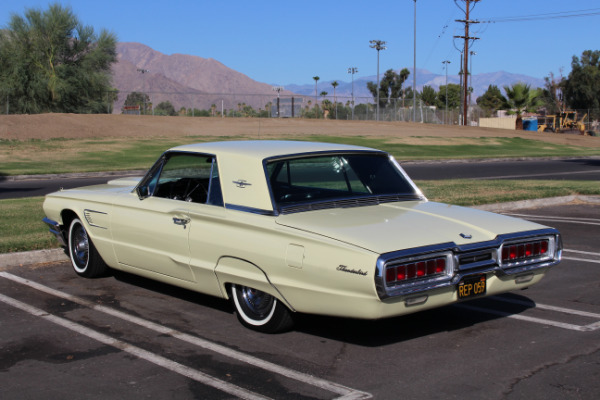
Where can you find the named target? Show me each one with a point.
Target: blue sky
(284, 42)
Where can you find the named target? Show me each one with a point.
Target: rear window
(335, 177)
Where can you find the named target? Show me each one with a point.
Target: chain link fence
(340, 107)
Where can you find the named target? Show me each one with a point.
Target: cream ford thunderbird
(283, 227)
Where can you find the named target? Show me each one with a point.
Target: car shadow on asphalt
(368, 333)
(173, 291)
(387, 331)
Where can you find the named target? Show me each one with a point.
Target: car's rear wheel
(85, 258)
(260, 311)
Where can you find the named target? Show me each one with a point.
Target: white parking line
(345, 392)
(589, 253)
(580, 328)
(136, 351)
(585, 253)
(581, 259)
(548, 307)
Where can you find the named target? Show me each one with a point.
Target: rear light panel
(526, 252)
(418, 270)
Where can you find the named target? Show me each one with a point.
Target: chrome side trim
(493, 265)
(56, 230)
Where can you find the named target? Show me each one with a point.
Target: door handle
(181, 221)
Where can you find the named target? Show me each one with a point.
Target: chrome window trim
(494, 246)
(416, 196)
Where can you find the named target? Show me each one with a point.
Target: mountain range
(192, 81)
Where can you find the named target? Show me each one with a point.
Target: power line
(555, 15)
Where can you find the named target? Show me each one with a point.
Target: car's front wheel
(85, 258)
(260, 311)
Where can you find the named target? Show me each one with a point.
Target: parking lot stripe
(589, 253)
(135, 351)
(581, 259)
(548, 322)
(345, 392)
(548, 307)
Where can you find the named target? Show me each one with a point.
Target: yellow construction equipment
(565, 120)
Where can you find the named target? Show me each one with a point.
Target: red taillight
(524, 251)
(411, 270)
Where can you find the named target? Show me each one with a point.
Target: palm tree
(316, 78)
(521, 98)
(335, 84)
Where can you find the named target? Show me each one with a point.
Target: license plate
(471, 286)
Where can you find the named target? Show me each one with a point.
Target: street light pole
(446, 62)
(278, 89)
(377, 45)
(143, 72)
(352, 70)
(415, 67)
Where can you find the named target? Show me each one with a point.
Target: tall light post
(446, 62)
(143, 72)
(415, 67)
(352, 70)
(378, 45)
(278, 89)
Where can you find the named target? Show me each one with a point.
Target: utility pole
(469, 5)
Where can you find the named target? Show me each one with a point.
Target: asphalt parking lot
(126, 337)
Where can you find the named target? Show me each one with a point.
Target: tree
(165, 108)
(428, 95)
(390, 86)
(453, 96)
(50, 62)
(582, 87)
(521, 98)
(139, 99)
(491, 101)
(316, 78)
(552, 93)
(335, 84)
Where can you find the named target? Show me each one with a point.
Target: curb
(8, 260)
(32, 257)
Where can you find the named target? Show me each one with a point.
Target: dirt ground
(77, 126)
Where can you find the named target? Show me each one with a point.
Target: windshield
(336, 177)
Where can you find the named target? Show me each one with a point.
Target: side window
(189, 177)
(215, 197)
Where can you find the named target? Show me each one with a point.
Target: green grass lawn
(54, 156)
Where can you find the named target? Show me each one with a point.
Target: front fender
(242, 272)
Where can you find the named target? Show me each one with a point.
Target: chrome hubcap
(257, 302)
